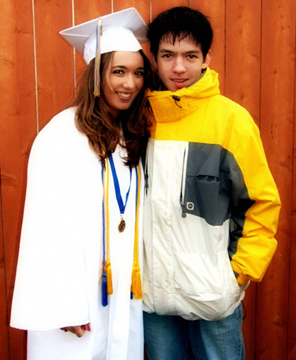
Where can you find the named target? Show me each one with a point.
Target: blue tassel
(104, 290)
(132, 296)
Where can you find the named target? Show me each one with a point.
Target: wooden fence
(254, 53)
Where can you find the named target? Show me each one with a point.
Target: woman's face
(124, 80)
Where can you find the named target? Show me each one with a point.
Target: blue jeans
(173, 338)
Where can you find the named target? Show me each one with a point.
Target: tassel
(136, 282)
(108, 271)
(98, 59)
(104, 290)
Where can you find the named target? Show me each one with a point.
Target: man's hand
(77, 330)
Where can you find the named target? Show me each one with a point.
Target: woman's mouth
(124, 95)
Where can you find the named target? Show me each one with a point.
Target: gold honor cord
(136, 286)
(108, 269)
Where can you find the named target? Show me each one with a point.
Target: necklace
(107, 288)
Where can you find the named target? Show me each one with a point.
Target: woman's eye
(118, 72)
(139, 73)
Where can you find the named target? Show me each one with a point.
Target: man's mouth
(180, 81)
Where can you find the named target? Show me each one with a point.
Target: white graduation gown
(60, 258)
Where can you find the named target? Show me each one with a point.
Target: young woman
(78, 285)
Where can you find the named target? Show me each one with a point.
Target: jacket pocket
(205, 197)
(205, 286)
(207, 190)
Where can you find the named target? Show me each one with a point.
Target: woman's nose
(129, 82)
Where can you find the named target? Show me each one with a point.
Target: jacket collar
(168, 106)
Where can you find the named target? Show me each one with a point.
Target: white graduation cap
(120, 31)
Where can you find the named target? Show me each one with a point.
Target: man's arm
(254, 212)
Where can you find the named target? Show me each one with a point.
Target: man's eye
(192, 56)
(167, 56)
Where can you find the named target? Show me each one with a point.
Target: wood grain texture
(291, 348)
(54, 60)
(276, 125)
(215, 10)
(17, 129)
(254, 53)
(243, 39)
(158, 6)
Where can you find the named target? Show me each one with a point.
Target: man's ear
(207, 60)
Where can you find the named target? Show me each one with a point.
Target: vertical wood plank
(215, 10)
(158, 6)
(242, 79)
(143, 7)
(276, 120)
(242, 73)
(291, 348)
(54, 61)
(6, 57)
(291, 334)
(17, 128)
(4, 333)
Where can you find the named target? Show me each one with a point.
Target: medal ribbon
(120, 203)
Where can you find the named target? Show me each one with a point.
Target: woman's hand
(77, 330)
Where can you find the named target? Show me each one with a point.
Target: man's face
(180, 65)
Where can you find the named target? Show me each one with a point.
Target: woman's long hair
(94, 120)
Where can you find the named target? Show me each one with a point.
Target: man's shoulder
(230, 109)
(229, 104)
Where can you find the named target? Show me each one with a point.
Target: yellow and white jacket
(211, 205)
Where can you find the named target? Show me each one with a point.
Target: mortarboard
(120, 31)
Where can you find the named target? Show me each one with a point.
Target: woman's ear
(207, 60)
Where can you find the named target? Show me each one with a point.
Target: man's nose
(179, 65)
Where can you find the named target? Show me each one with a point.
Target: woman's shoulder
(63, 120)
(60, 132)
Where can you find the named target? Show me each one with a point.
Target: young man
(211, 206)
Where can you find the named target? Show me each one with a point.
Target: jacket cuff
(241, 279)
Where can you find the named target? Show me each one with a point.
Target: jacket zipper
(146, 171)
(183, 183)
(146, 178)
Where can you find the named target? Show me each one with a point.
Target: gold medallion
(121, 226)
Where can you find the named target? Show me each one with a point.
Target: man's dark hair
(179, 23)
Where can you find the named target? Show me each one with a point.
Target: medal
(121, 225)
